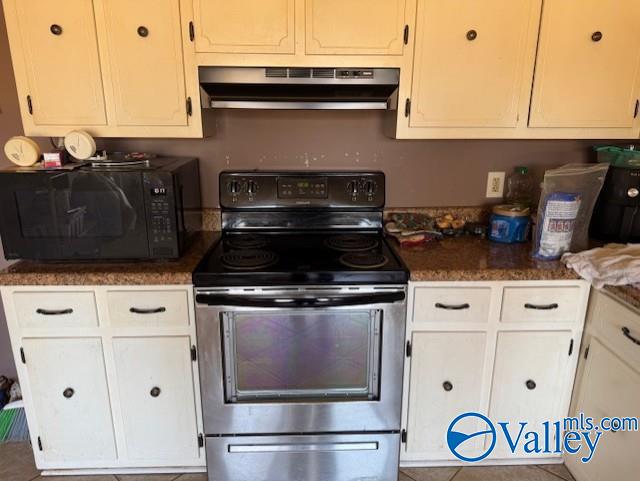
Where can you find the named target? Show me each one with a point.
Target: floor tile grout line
(407, 474)
(541, 466)
(456, 473)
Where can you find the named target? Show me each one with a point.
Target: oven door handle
(286, 302)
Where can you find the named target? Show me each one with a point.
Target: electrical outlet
(495, 184)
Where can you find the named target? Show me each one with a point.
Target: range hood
(299, 88)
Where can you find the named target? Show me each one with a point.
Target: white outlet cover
(495, 185)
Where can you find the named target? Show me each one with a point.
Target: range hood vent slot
(299, 88)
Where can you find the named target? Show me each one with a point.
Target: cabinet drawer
(445, 304)
(148, 308)
(55, 309)
(619, 326)
(540, 304)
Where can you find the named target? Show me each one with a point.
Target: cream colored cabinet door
(530, 383)
(56, 61)
(587, 71)
(70, 400)
(355, 27)
(157, 401)
(473, 62)
(609, 388)
(446, 380)
(144, 72)
(244, 26)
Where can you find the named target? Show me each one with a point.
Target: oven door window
(287, 355)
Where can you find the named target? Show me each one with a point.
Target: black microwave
(129, 210)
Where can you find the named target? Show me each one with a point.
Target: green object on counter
(627, 157)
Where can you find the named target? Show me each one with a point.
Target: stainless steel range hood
(299, 88)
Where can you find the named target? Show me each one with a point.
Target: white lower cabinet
(468, 356)
(106, 393)
(156, 392)
(70, 399)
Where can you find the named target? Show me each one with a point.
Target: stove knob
(252, 187)
(352, 187)
(370, 187)
(235, 187)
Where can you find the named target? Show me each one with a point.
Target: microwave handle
(300, 302)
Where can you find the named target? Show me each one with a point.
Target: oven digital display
(302, 188)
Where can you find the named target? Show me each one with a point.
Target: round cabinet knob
(56, 29)
(633, 192)
(68, 393)
(472, 35)
(252, 187)
(531, 385)
(155, 392)
(596, 36)
(234, 187)
(143, 31)
(447, 386)
(352, 187)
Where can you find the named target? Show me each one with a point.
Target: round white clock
(80, 144)
(22, 151)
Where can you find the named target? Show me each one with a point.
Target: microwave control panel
(161, 214)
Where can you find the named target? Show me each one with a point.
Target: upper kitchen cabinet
(356, 27)
(143, 61)
(56, 63)
(587, 72)
(473, 68)
(244, 26)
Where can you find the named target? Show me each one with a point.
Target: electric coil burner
(301, 322)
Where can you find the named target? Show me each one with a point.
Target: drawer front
(540, 304)
(148, 308)
(447, 304)
(54, 310)
(619, 328)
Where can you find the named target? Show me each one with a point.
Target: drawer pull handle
(627, 333)
(155, 310)
(68, 393)
(54, 312)
(531, 384)
(452, 307)
(447, 386)
(155, 392)
(541, 307)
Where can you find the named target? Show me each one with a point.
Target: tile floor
(16, 464)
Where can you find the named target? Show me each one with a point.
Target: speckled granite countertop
(473, 259)
(628, 294)
(121, 273)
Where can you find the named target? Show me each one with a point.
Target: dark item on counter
(477, 229)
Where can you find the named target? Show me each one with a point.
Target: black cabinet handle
(541, 307)
(56, 29)
(155, 310)
(143, 31)
(472, 35)
(54, 312)
(596, 36)
(452, 307)
(68, 393)
(447, 386)
(531, 384)
(155, 392)
(627, 333)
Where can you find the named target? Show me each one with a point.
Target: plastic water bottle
(520, 187)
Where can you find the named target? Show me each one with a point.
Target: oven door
(301, 360)
(73, 215)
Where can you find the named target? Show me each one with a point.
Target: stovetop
(300, 258)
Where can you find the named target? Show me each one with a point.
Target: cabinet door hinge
(39, 443)
(200, 440)
(635, 112)
(406, 34)
(29, 104)
(407, 108)
(194, 353)
(192, 32)
(403, 436)
(409, 349)
(586, 352)
(22, 358)
(571, 347)
(189, 107)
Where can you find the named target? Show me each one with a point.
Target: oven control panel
(253, 190)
